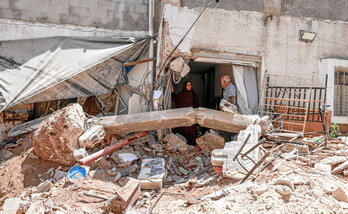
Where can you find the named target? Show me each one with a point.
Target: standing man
(229, 90)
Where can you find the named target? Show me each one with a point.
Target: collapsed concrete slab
(155, 120)
(57, 137)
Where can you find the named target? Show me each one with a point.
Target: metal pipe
(242, 147)
(151, 51)
(111, 148)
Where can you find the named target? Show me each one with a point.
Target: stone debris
(209, 142)
(341, 193)
(340, 168)
(12, 206)
(323, 167)
(58, 174)
(104, 164)
(296, 176)
(176, 142)
(38, 207)
(152, 173)
(125, 197)
(228, 107)
(57, 137)
(79, 154)
(44, 186)
(224, 157)
(94, 135)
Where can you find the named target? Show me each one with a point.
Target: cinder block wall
(129, 15)
(319, 9)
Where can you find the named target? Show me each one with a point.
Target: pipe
(111, 148)
(151, 51)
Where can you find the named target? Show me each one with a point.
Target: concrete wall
(275, 40)
(320, 9)
(253, 5)
(115, 14)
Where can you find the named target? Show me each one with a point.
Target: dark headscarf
(186, 98)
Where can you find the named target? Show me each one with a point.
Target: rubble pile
(255, 172)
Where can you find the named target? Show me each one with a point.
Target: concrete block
(125, 197)
(92, 136)
(176, 142)
(273, 7)
(11, 205)
(5, 4)
(209, 142)
(74, 3)
(152, 173)
(80, 154)
(89, 3)
(6, 13)
(141, 8)
(37, 207)
(107, 5)
(326, 168)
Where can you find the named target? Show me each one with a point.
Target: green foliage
(334, 130)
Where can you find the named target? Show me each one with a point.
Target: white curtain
(247, 92)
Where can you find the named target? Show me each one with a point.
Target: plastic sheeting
(61, 68)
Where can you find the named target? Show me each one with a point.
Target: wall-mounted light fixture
(306, 36)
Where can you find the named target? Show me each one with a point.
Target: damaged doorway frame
(212, 56)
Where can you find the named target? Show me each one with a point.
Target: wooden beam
(138, 62)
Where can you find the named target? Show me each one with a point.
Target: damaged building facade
(57, 52)
(293, 43)
(97, 83)
(297, 43)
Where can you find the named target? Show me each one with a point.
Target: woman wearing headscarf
(187, 98)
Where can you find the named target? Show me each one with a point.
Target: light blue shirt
(229, 91)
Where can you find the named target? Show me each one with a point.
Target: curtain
(247, 92)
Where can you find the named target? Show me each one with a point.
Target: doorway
(205, 79)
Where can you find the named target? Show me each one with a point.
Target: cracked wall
(275, 39)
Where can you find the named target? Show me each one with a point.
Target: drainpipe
(151, 50)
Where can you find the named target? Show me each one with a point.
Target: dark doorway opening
(202, 77)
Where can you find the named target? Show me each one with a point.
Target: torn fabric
(62, 68)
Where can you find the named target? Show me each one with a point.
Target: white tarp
(61, 68)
